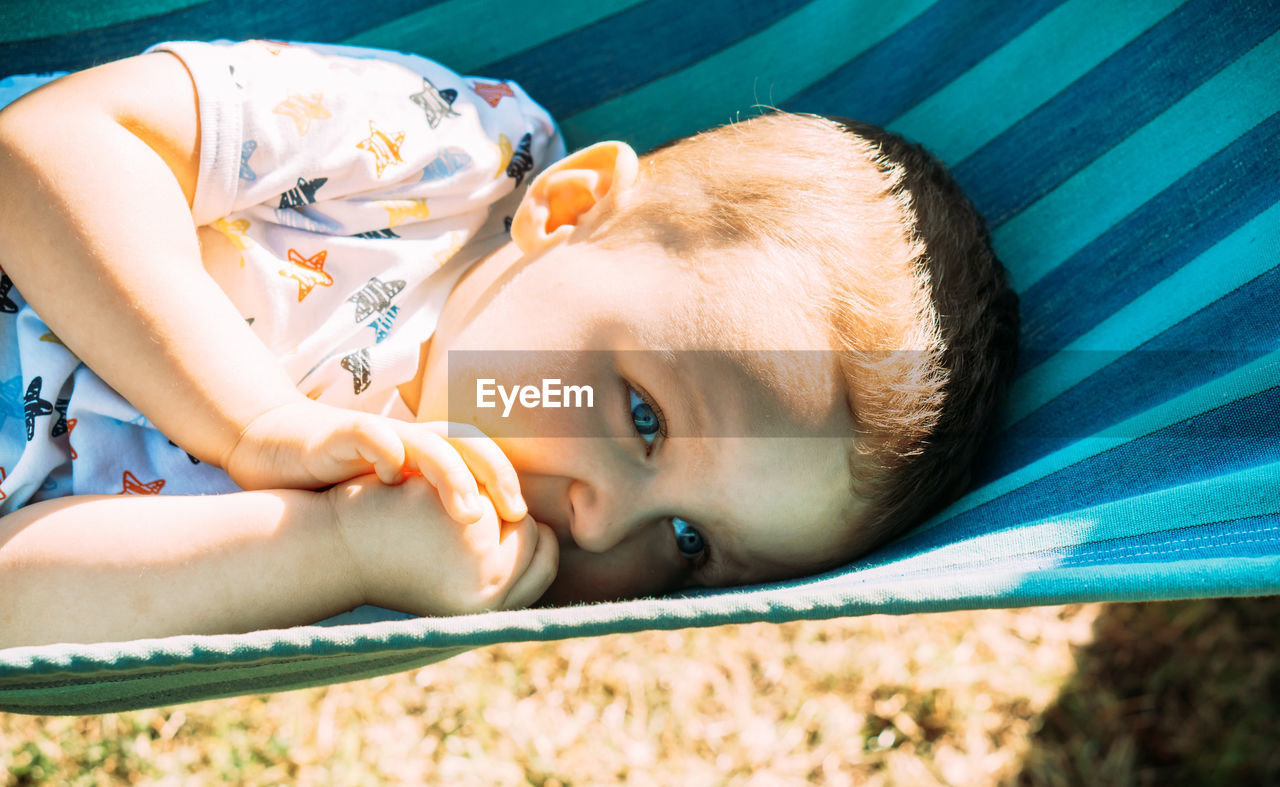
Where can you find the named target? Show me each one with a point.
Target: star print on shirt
(132, 486)
(52, 338)
(302, 194)
(376, 234)
(504, 154)
(7, 304)
(493, 92)
(375, 296)
(307, 271)
(361, 369)
(246, 150)
(447, 164)
(384, 148)
(436, 104)
(400, 209)
(60, 426)
(194, 461)
(35, 407)
(71, 427)
(234, 231)
(521, 159)
(271, 45)
(456, 241)
(303, 109)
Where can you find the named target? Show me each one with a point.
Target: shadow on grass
(1168, 693)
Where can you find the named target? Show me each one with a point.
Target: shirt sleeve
(349, 141)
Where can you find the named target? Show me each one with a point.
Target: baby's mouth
(562, 527)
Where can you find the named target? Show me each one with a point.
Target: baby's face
(693, 467)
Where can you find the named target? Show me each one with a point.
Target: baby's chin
(575, 588)
(564, 592)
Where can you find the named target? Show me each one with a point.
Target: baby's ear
(572, 195)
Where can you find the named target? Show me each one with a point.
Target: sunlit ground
(1159, 694)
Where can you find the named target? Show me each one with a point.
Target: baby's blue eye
(688, 540)
(643, 416)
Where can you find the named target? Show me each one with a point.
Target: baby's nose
(597, 524)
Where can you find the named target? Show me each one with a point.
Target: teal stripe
(1249, 380)
(467, 34)
(944, 591)
(1230, 263)
(1244, 493)
(1208, 119)
(24, 20)
(763, 69)
(1051, 54)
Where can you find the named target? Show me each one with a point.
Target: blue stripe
(767, 67)
(616, 55)
(1253, 536)
(1226, 335)
(1181, 222)
(1119, 96)
(466, 53)
(1237, 98)
(320, 20)
(1228, 266)
(908, 66)
(1249, 380)
(1065, 45)
(1250, 536)
(1237, 436)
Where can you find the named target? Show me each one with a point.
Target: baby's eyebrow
(692, 407)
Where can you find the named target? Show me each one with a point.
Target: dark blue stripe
(1177, 225)
(924, 55)
(1225, 335)
(1211, 444)
(1253, 536)
(315, 20)
(1109, 103)
(620, 53)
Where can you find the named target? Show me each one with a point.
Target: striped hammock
(1127, 156)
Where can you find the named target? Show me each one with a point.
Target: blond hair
(839, 199)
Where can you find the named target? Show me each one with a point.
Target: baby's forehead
(751, 335)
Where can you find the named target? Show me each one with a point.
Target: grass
(1159, 694)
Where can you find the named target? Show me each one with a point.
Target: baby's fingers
(489, 464)
(380, 446)
(539, 574)
(441, 465)
(350, 447)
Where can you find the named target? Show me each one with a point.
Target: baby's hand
(404, 553)
(309, 445)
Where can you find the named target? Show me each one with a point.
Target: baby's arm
(98, 568)
(96, 232)
(101, 568)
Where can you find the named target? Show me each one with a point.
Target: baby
(303, 269)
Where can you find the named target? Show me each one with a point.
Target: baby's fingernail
(470, 503)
